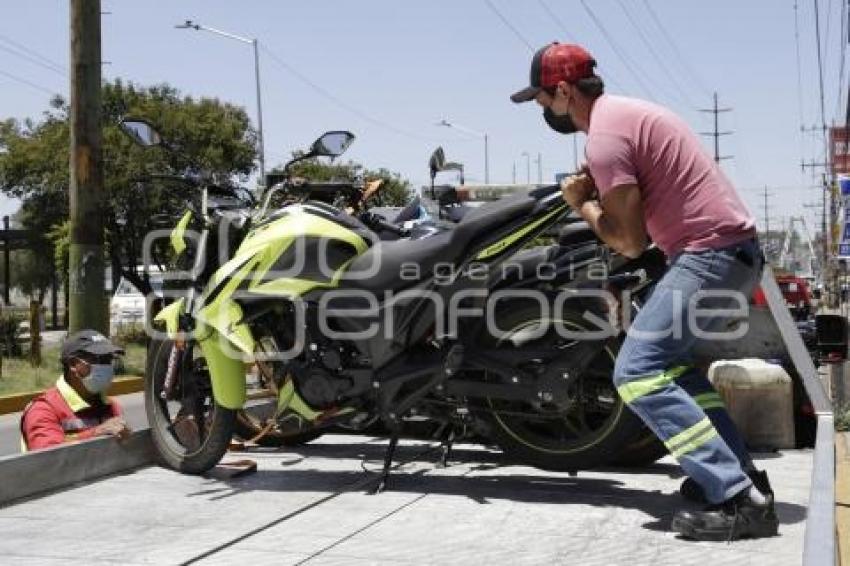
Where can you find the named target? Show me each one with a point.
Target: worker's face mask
(99, 378)
(561, 124)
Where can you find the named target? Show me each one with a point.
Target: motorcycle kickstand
(388, 462)
(446, 449)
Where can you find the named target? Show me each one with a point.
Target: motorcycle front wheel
(190, 431)
(580, 434)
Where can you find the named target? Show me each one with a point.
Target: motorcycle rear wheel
(190, 439)
(644, 451)
(596, 428)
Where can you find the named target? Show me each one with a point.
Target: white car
(127, 306)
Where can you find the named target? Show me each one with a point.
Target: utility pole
(824, 207)
(513, 175)
(717, 133)
(87, 302)
(768, 244)
(766, 213)
(539, 161)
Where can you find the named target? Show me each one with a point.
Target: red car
(796, 292)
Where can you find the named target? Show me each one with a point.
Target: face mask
(561, 124)
(99, 378)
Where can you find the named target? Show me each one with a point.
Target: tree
(209, 137)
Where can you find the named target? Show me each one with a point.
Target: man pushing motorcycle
(648, 177)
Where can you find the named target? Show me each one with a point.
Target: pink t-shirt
(688, 203)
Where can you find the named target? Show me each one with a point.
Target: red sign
(839, 150)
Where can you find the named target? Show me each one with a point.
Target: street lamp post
(189, 24)
(464, 129)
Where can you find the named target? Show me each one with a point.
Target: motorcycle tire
(173, 437)
(644, 451)
(248, 428)
(546, 446)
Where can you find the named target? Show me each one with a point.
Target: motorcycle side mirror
(332, 144)
(141, 132)
(454, 166)
(436, 162)
(446, 195)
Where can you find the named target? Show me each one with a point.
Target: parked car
(795, 290)
(127, 306)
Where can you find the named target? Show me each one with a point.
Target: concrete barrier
(33, 473)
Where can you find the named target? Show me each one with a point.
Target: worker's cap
(555, 63)
(89, 342)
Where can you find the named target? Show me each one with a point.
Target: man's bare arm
(618, 219)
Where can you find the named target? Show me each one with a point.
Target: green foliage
(842, 418)
(32, 271)
(207, 137)
(19, 376)
(60, 236)
(395, 191)
(127, 334)
(10, 334)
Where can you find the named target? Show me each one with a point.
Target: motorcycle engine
(319, 382)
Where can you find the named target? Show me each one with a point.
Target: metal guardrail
(819, 544)
(121, 386)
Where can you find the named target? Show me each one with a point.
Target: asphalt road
(10, 436)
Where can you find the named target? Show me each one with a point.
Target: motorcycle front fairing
(278, 259)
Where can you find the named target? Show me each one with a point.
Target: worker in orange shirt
(77, 407)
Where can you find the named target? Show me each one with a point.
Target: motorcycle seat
(393, 259)
(490, 216)
(447, 247)
(576, 233)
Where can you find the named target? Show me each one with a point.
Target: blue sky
(395, 68)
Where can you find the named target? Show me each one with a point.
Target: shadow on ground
(479, 483)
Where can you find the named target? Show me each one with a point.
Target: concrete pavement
(309, 505)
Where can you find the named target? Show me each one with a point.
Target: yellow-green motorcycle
(350, 330)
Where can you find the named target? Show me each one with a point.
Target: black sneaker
(737, 518)
(692, 491)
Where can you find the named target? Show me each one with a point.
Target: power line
(685, 98)
(842, 41)
(28, 83)
(342, 104)
(35, 54)
(557, 20)
(685, 65)
(32, 60)
(607, 76)
(820, 76)
(630, 66)
(509, 25)
(799, 79)
(826, 35)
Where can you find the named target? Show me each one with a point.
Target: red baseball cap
(555, 63)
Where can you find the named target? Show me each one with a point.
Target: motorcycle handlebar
(380, 225)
